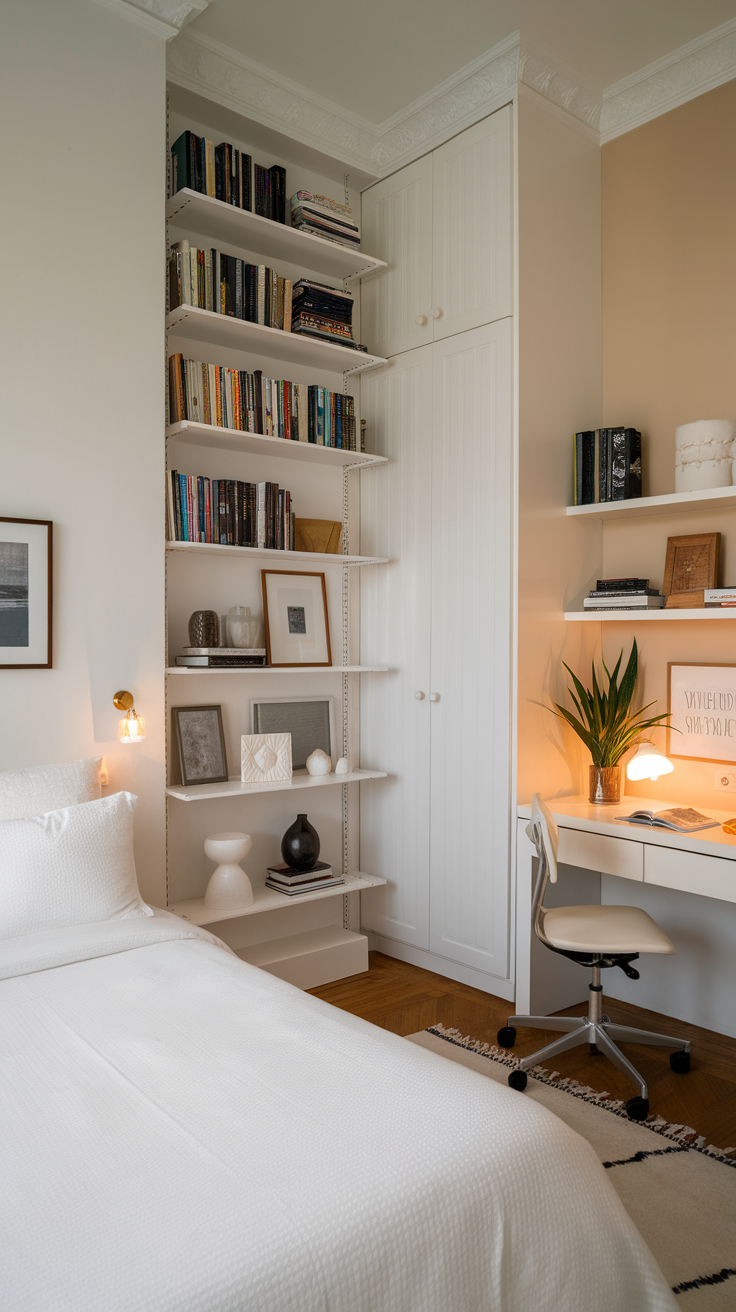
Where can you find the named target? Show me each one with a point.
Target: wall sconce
(648, 763)
(132, 728)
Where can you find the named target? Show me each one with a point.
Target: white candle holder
(229, 886)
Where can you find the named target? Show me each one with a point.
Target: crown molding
(161, 18)
(695, 68)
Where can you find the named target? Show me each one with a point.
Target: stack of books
(271, 407)
(324, 218)
(228, 512)
(606, 465)
(227, 658)
(323, 312)
(292, 882)
(623, 594)
(219, 171)
(720, 596)
(225, 284)
(270, 192)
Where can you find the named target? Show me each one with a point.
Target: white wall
(83, 107)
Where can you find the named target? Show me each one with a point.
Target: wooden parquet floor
(404, 999)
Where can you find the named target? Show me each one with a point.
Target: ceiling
(375, 57)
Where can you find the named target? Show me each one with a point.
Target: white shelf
(258, 444)
(234, 788)
(251, 232)
(190, 321)
(268, 899)
(214, 549)
(669, 504)
(269, 669)
(636, 617)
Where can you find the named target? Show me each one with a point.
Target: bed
(181, 1131)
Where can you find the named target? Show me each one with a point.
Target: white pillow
(69, 867)
(39, 788)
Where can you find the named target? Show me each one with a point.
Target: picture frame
(201, 744)
(310, 722)
(691, 566)
(701, 699)
(296, 619)
(26, 594)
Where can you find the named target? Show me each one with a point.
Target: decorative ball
(319, 763)
(300, 845)
(204, 629)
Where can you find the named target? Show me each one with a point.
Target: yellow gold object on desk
(729, 826)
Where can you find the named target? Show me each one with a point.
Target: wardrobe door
(472, 552)
(397, 227)
(395, 618)
(472, 274)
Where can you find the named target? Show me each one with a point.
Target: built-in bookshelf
(320, 485)
(671, 503)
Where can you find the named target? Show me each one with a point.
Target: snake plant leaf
(605, 722)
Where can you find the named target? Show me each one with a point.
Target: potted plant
(606, 725)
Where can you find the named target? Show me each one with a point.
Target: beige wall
(669, 356)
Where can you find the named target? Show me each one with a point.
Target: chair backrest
(543, 832)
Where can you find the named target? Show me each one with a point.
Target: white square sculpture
(265, 758)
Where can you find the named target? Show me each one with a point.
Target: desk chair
(596, 937)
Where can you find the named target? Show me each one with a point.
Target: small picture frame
(691, 566)
(295, 612)
(701, 699)
(26, 587)
(309, 722)
(201, 743)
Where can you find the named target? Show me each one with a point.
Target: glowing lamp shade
(648, 763)
(132, 728)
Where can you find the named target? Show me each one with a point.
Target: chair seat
(603, 929)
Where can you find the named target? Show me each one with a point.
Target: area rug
(679, 1191)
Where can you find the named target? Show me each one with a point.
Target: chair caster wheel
(506, 1037)
(680, 1062)
(517, 1080)
(594, 1050)
(637, 1109)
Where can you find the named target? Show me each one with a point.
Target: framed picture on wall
(201, 743)
(295, 611)
(702, 703)
(25, 594)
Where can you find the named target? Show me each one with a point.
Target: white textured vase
(319, 763)
(342, 766)
(704, 454)
(229, 886)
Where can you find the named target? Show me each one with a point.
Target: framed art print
(201, 743)
(702, 705)
(691, 566)
(309, 722)
(295, 611)
(25, 594)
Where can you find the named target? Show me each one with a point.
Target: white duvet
(181, 1132)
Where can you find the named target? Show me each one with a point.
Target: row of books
(272, 407)
(324, 218)
(623, 594)
(293, 882)
(606, 465)
(229, 512)
(719, 597)
(224, 172)
(225, 284)
(323, 312)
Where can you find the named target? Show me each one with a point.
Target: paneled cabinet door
(397, 227)
(471, 234)
(472, 489)
(395, 618)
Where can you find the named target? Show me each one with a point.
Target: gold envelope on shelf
(324, 535)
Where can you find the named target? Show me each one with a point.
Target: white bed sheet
(182, 1132)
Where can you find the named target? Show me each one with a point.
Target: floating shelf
(215, 218)
(669, 504)
(635, 617)
(257, 444)
(268, 899)
(214, 549)
(269, 669)
(234, 788)
(190, 321)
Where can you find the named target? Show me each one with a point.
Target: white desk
(591, 839)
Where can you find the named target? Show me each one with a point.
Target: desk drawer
(612, 856)
(710, 876)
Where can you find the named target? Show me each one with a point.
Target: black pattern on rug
(718, 1278)
(642, 1156)
(684, 1135)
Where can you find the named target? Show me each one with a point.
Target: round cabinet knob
(434, 696)
(437, 312)
(419, 696)
(421, 319)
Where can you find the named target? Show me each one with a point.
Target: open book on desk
(680, 819)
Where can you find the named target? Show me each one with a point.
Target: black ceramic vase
(204, 629)
(300, 845)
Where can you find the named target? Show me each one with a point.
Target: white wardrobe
(441, 615)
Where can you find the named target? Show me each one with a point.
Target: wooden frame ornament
(691, 566)
(701, 699)
(200, 741)
(296, 619)
(26, 593)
